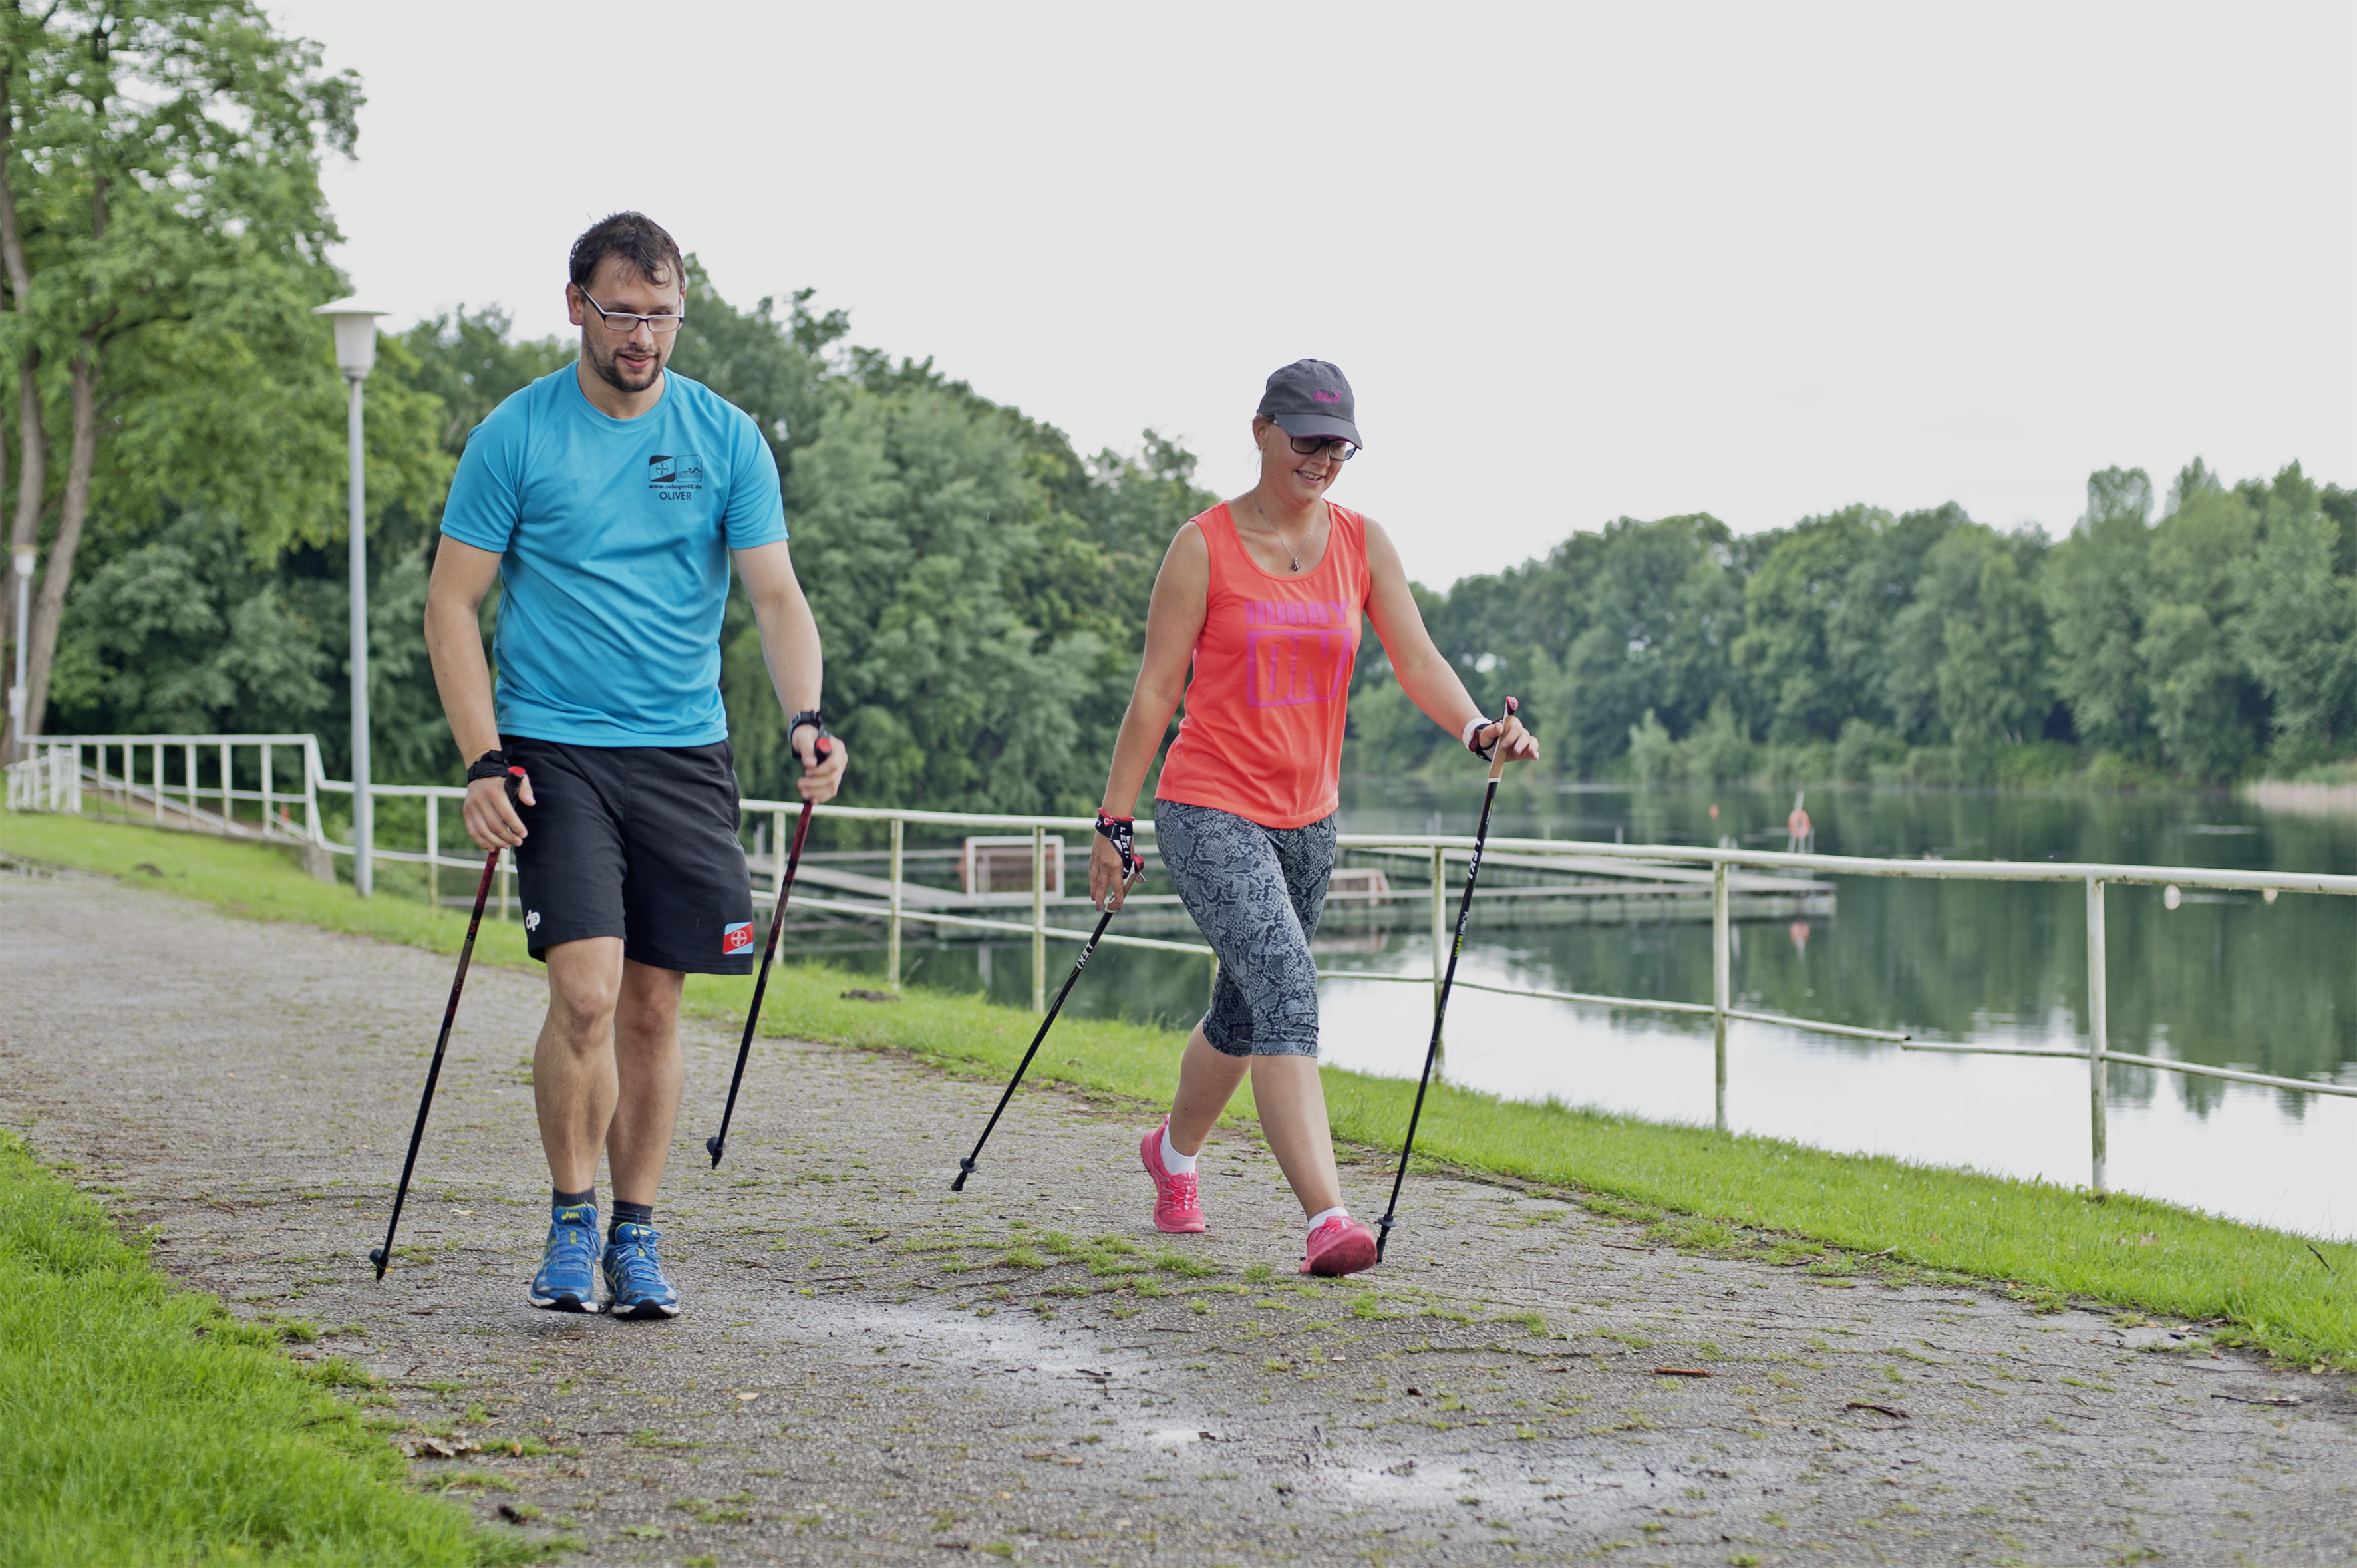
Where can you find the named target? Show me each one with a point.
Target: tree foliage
(1860, 644)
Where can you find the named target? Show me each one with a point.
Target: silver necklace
(1290, 550)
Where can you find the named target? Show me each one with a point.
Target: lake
(2224, 979)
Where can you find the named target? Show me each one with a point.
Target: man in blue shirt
(609, 500)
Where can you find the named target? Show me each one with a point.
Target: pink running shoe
(1177, 1208)
(1341, 1246)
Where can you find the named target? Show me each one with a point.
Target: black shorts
(638, 843)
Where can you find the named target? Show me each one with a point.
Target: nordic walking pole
(381, 1256)
(1447, 979)
(718, 1144)
(1132, 867)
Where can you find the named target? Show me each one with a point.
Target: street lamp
(23, 633)
(356, 356)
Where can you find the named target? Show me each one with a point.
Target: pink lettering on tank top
(1298, 652)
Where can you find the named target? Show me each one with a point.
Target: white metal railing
(54, 778)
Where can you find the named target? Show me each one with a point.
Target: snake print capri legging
(1255, 892)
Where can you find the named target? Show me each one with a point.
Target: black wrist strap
(1122, 833)
(491, 765)
(816, 720)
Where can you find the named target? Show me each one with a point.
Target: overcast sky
(1578, 262)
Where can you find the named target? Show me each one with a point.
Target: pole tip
(376, 1256)
(713, 1146)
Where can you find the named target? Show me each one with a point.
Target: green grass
(142, 1423)
(1779, 1201)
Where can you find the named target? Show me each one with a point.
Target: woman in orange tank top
(1255, 620)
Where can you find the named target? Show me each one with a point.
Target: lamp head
(24, 560)
(355, 335)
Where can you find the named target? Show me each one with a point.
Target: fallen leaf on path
(1880, 1409)
(443, 1447)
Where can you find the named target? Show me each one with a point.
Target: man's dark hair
(639, 239)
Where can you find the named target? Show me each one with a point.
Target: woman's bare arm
(1428, 677)
(1174, 621)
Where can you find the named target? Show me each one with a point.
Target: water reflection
(2224, 979)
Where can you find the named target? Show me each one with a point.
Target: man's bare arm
(463, 576)
(790, 646)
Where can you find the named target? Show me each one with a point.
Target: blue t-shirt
(613, 537)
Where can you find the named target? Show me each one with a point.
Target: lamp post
(356, 356)
(24, 631)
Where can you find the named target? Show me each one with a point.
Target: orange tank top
(1269, 690)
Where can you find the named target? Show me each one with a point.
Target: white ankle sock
(1323, 1215)
(1173, 1162)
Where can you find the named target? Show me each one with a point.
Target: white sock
(1173, 1162)
(1323, 1215)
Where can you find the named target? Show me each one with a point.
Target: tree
(1789, 606)
(2098, 593)
(162, 184)
(913, 511)
(1665, 609)
(2208, 712)
(1992, 674)
(2295, 631)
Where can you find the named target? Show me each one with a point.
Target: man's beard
(609, 370)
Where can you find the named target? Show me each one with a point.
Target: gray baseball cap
(1311, 397)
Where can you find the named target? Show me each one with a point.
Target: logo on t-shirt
(675, 479)
(737, 936)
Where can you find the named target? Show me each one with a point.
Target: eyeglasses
(627, 322)
(1334, 446)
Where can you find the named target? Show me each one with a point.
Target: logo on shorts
(675, 479)
(736, 937)
(531, 920)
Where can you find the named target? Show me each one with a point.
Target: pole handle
(1497, 751)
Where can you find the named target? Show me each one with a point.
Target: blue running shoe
(567, 1281)
(634, 1275)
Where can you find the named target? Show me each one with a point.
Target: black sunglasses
(1334, 446)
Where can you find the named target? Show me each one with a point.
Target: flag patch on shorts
(736, 937)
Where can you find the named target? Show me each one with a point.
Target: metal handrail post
(1720, 988)
(188, 771)
(2098, 1027)
(433, 852)
(155, 758)
(312, 770)
(1038, 919)
(892, 920)
(228, 810)
(1439, 919)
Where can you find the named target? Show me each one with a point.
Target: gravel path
(872, 1369)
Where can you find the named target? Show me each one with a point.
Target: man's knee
(647, 1012)
(582, 995)
(647, 1023)
(583, 1015)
